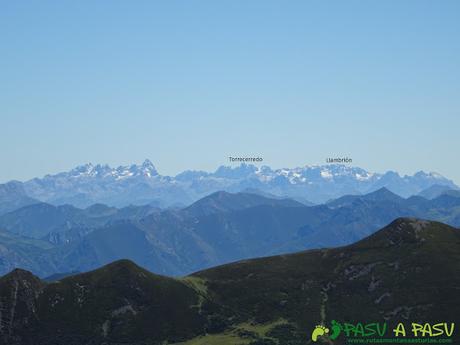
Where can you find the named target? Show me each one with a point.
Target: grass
(261, 329)
(196, 283)
(199, 285)
(235, 336)
(217, 339)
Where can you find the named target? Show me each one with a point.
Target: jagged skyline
(153, 169)
(141, 184)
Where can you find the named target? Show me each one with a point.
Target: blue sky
(188, 83)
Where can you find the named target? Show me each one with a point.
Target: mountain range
(217, 229)
(142, 184)
(276, 300)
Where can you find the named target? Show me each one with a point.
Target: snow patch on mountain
(142, 184)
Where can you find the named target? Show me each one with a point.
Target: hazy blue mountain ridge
(142, 184)
(217, 229)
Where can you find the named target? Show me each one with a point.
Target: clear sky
(188, 83)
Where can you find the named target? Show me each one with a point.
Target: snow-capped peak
(316, 183)
(148, 169)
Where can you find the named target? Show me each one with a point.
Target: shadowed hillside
(410, 270)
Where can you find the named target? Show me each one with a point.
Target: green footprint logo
(336, 330)
(319, 331)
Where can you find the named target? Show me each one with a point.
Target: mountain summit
(142, 184)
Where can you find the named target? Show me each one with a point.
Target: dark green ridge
(409, 271)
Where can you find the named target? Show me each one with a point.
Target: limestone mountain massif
(142, 184)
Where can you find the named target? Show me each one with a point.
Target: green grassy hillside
(409, 271)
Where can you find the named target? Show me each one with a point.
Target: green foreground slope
(408, 271)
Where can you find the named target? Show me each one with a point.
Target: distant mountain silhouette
(380, 195)
(13, 196)
(226, 202)
(217, 229)
(142, 184)
(437, 190)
